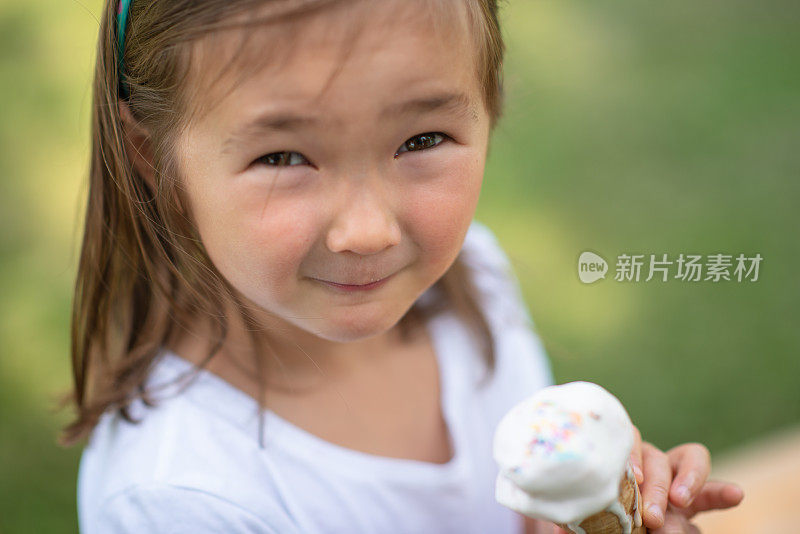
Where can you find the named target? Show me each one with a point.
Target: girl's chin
(350, 333)
(359, 325)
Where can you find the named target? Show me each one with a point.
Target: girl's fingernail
(683, 490)
(637, 472)
(655, 511)
(683, 493)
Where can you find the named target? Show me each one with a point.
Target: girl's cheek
(451, 180)
(257, 239)
(285, 235)
(444, 200)
(273, 214)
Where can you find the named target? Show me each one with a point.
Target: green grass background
(630, 127)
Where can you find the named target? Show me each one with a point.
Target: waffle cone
(607, 522)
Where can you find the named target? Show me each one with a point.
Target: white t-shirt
(194, 464)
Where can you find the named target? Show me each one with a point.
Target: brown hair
(143, 270)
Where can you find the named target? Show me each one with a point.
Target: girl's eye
(421, 142)
(283, 159)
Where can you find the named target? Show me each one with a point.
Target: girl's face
(382, 167)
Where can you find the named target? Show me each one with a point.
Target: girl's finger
(636, 456)
(715, 495)
(676, 523)
(691, 464)
(657, 477)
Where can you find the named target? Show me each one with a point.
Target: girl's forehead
(364, 49)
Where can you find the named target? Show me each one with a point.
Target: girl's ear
(137, 146)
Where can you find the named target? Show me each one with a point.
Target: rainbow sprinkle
(554, 432)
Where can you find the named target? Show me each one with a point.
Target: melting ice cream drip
(625, 521)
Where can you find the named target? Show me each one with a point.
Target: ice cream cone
(622, 517)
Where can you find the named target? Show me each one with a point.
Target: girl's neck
(288, 360)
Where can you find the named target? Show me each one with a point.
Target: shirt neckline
(236, 406)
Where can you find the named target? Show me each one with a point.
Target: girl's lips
(365, 287)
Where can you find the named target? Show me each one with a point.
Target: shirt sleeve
(168, 509)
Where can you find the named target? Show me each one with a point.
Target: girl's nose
(365, 224)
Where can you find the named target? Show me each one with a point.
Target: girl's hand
(674, 488)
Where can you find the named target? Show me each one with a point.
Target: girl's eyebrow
(271, 121)
(455, 102)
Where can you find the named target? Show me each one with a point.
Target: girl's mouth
(353, 287)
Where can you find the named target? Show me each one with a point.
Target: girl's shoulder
(521, 363)
(495, 278)
(163, 507)
(191, 449)
(482, 248)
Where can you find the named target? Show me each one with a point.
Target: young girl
(285, 318)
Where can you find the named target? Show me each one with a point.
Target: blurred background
(630, 128)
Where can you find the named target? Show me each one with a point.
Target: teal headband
(122, 20)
